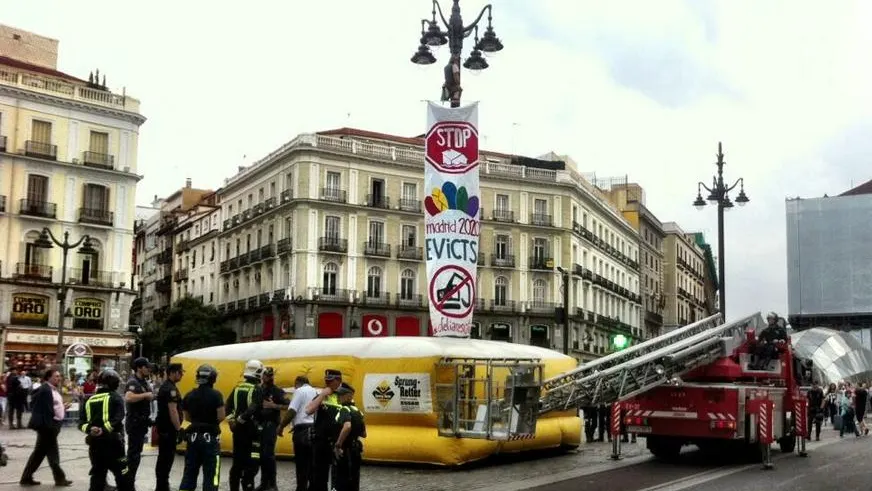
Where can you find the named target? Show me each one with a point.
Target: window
(37, 190)
(410, 191)
(502, 246)
(376, 232)
(99, 143)
(40, 131)
(377, 196)
(501, 291)
(502, 203)
(194, 258)
(331, 273)
(227, 252)
(272, 190)
(374, 282)
(334, 182)
(96, 198)
(258, 239)
(269, 234)
(540, 245)
(407, 285)
(260, 195)
(331, 227)
(289, 181)
(539, 288)
(409, 235)
(289, 226)
(540, 207)
(250, 200)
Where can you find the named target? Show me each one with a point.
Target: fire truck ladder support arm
(647, 365)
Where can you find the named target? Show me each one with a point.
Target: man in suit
(47, 415)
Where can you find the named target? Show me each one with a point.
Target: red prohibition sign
(467, 280)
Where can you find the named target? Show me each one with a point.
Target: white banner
(451, 216)
(397, 393)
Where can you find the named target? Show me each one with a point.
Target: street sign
(452, 146)
(452, 291)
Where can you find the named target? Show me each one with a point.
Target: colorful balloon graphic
(451, 198)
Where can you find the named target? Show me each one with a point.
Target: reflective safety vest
(241, 397)
(97, 416)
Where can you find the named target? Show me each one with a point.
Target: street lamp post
(719, 192)
(139, 338)
(47, 240)
(564, 275)
(455, 32)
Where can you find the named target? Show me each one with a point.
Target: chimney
(188, 182)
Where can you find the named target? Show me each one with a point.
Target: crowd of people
(842, 406)
(327, 427)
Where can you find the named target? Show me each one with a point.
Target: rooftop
(865, 188)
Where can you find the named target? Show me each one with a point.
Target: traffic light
(619, 341)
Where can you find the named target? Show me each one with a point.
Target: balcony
(79, 276)
(507, 216)
(2, 204)
(96, 216)
(32, 272)
(267, 252)
(182, 246)
(98, 160)
(412, 205)
(263, 299)
(180, 275)
(224, 266)
(541, 306)
(334, 195)
(541, 263)
(40, 150)
(243, 259)
(412, 300)
(653, 317)
(286, 196)
(279, 296)
(2, 143)
(258, 209)
(163, 285)
(502, 260)
(333, 244)
(378, 201)
(376, 298)
(410, 252)
(502, 305)
(165, 257)
(330, 295)
(541, 219)
(377, 249)
(283, 246)
(37, 208)
(251, 303)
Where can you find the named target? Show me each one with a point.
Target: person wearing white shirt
(304, 393)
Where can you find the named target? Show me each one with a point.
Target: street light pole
(719, 192)
(564, 274)
(47, 240)
(455, 32)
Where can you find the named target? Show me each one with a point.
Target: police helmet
(253, 369)
(206, 374)
(109, 379)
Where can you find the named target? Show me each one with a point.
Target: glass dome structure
(836, 355)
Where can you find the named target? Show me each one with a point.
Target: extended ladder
(647, 365)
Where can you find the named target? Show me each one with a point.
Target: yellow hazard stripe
(217, 471)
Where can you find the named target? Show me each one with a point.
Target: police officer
(204, 408)
(273, 401)
(590, 422)
(169, 422)
(348, 449)
(324, 407)
(243, 407)
(816, 405)
(138, 396)
(101, 419)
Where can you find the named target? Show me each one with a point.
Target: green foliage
(188, 325)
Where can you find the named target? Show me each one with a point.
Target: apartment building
(144, 256)
(684, 277)
(68, 166)
(710, 291)
(324, 238)
(196, 251)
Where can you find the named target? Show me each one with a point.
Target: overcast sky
(643, 88)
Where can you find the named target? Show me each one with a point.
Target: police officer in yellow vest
(325, 407)
(243, 409)
(102, 420)
(348, 449)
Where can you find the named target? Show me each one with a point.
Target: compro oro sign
(451, 218)
(29, 310)
(397, 393)
(88, 313)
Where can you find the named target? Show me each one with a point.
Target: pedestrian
(47, 416)
(590, 423)
(138, 397)
(168, 424)
(325, 408)
(348, 450)
(861, 399)
(273, 401)
(204, 408)
(16, 395)
(816, 410)
(3, 400)
(304, 393)
(243, 408)
(102, 421)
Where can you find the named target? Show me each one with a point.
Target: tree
(188, 325)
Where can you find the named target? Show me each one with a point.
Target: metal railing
(98, 160)
(40, 150)
(503, 216)
(33, 272)
(410, 205)
(335, 195)
(378, 201)
(332, 244)
(96, 216)
(541, 219)
(380, 249)
(90, 277)
(36, 208)
(410, 252)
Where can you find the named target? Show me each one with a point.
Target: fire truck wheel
(664, 448)
(787, 444)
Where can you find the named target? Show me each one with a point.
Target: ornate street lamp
(719, 193)
(47, 240)
(455, 32)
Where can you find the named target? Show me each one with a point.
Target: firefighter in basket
(771, 339)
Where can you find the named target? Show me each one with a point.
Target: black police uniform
(137, 423)
(590, 422)
(202, 438)
(167, 433)
(815, 411)
(346, 468)
(105, 410)
(270, 420)
(245, 404)
(322, 442)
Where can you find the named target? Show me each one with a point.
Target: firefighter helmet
(253, 369)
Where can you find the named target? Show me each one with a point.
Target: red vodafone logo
(452, 146)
